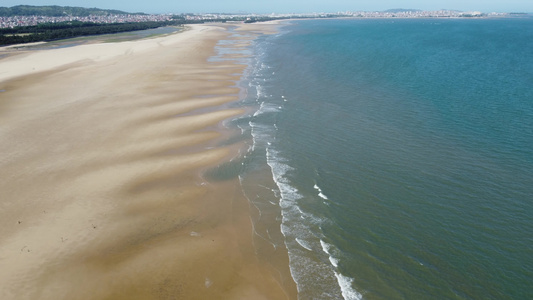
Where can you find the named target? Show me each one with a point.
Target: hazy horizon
(279, 6)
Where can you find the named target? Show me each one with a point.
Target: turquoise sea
(401, 152)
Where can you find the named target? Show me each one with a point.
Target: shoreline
(105, 147)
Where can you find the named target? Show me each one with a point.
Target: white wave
(348, 292)
(266, 108)
(303, 244)
(314, 279)
(299, 210)
(320, 193)
(260, 134)
(325, 247)
(334, 261)
(310, 275)
(299, 238)
(259, 91)
(345, 283)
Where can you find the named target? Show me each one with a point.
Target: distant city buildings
(415, 14)
(357, 14)
(15, 21)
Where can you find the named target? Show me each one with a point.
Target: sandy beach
(103, 148)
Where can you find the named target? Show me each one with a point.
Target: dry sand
(102, 151)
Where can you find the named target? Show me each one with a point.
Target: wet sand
(103, 150)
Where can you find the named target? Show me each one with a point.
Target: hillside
(56, 11)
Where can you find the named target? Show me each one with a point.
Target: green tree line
(64, 30)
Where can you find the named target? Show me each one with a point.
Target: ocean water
(398, 155)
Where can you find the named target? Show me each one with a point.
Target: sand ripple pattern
(101, 160)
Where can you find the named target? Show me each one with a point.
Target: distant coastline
(24, 24)
(26, 15)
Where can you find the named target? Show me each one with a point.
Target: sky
(284, 6)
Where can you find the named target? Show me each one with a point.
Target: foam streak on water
(320, 193)
(313, 277)
(312, 269)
